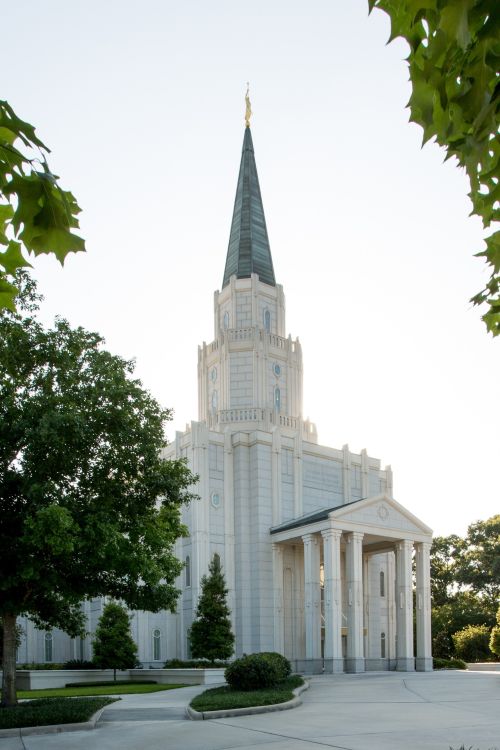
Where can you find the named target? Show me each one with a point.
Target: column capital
(307, 538)
(355, 536)
(277, 547)
(424, 547)
(404, 544)
(329, 533)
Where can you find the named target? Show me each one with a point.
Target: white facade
(316, 552)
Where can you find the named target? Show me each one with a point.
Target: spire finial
(248, 110)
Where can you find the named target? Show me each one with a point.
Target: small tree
(114, 647)
(495, 637)
(472, 643)
(210, 634)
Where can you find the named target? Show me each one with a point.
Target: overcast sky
(143, 108)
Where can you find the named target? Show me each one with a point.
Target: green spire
(248, 251)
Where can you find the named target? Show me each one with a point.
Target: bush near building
(472, 643)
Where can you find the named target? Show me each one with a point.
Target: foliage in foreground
(210, 634)
(34, 211)
(88, 507)
(114, 647)
(112, 688)
(51, 711)
(225, 697)
(453, 64)
(449, 663)
(495, 637)
(473, 643)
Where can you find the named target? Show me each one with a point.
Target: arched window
(214, 400)
(225, 320)
(216, 559)
(187, 572)
(382, 583)
(277, 399)
(48, 642)
(267, 321)
(156, 645)
(382, 645)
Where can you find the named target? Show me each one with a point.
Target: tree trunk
(9, 697)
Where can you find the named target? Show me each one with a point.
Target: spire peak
(248, 250)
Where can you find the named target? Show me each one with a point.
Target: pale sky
(143, 108)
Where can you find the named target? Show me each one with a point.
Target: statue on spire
(248, 110)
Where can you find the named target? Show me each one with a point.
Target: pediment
(380, 512)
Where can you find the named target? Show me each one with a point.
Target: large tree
(35, 212)
(210, 635)
(453, 62)
(87, 505)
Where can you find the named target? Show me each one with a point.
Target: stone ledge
(225, 713)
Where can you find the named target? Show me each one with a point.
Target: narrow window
(214, 400)
(187, 573)
(382, 583)
(277, 399)
(226, 320)
(48, 646)
(267, 321)
(382, 645)
(156, 645)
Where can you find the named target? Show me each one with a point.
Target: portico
(349, 603)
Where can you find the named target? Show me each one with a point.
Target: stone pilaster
(404, 606)
(423, 605)
(279, 639)
(355, 661)
(332, 601)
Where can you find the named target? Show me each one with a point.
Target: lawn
(51, 711)
(224, 697)
(119, 688)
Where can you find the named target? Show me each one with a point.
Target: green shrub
(449, 663)
(109, 683)
(495, 640)
(194, 664)
(44, 711)
(252, 672)
(79, 664)
(281, 663)
(442, 645)
(32, 666)
(473, 643)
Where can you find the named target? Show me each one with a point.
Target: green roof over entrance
(248, 251)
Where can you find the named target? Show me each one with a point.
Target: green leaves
(454, 62)
(35, 210)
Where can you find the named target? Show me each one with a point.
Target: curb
(53, 728)
(225, 713)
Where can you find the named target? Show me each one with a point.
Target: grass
(51, 711)
(120, 688)
(224, 697)
(449, 664)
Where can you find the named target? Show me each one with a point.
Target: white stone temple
(317, 554)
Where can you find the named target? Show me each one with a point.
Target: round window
(277, 369)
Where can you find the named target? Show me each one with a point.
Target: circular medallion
(215, 499)
(382, 512)
(277, 369)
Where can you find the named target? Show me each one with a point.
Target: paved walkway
(373, 711)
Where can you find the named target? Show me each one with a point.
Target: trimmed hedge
(281, 663)
(194, 664)
(449, 663)
(45, 711)
(252, 672)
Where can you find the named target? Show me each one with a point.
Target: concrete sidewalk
(372, 711)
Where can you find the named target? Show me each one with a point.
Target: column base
(334, 666)
(405, 664)
(377, 665)
(423, 664)
(309, 666)
(354, 664)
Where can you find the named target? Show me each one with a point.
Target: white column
(355, 661)
(333, 601)
(424, 639)
(404, 606)
(312, 603)
(279, 630)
